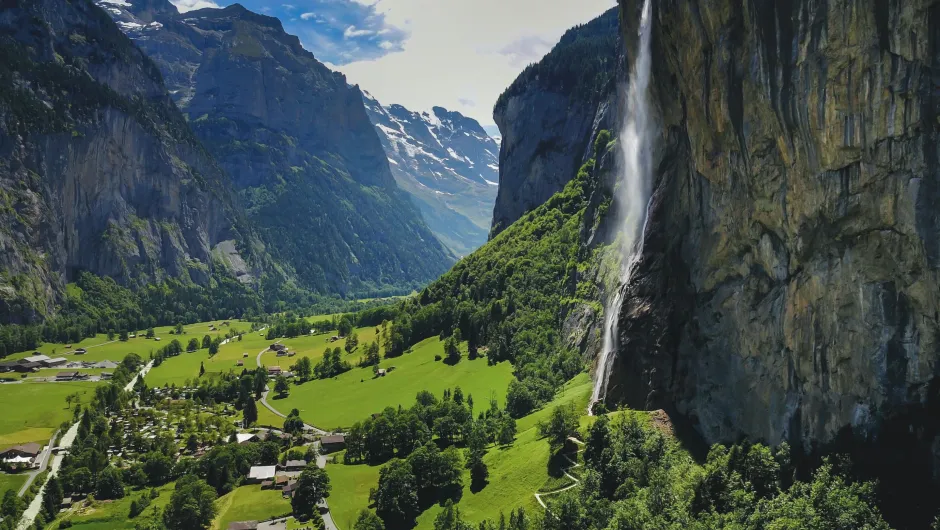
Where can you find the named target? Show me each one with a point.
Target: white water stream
(632, 195)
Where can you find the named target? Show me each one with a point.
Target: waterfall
(632, 195)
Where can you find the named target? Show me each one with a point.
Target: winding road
(321, 459)
(538, 496)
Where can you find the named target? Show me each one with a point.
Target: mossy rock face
(789, 286)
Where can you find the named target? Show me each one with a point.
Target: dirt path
(576, 482)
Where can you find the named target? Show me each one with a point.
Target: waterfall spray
(632, 196)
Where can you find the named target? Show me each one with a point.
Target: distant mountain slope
(549, 115)
(297, 142)
(98, 170)
(448, 163)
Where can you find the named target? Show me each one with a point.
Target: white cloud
(308, 16)
(190, 5)
(352, 32)
(468, 50)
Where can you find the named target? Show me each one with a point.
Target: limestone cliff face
(790, 286)
(549, 116)
(98, 170)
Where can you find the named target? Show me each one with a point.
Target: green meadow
(46, 411)
(313, 346)
(114, 515)
(11, 482)
(100, 348)
(249, 503)
(339, 402)
(517, 472)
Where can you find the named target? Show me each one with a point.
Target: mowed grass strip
(517, 472)
(249, 503)
(33, 411)
(338, 403)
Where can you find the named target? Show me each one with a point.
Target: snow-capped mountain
(448, 163)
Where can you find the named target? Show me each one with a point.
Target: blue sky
(459, 54)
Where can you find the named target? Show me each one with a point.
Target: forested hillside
(530, 295)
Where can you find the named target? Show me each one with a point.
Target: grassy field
(516, 472)
(314, 346)
(351, 485)
(100, 348)
(351, 397)
(266, 417)
(177, 370)
(113, 515)
(11, 482)
(249, 503)
(46, 411)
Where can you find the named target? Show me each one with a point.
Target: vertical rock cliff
(549, 115)
(790, 287)
(297, 142)
(98, 169)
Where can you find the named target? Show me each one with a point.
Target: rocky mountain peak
(447, 162)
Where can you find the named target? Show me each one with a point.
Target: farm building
(295, 465)
(333, 442)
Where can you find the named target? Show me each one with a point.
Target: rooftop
(262, 472)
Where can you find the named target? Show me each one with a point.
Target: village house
(22, 454)
(245, 437)
(274, 370)
(259, 474)
(288, 490)
(295, 465)
(239, 363)
(333, 442)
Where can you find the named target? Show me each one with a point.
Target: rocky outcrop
(790, 286)
(298, 144)
(448, 164)
(549, 116)
(98, 170)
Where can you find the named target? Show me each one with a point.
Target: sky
(458, 54)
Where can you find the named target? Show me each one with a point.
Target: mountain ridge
(298, 144)
(447, 162)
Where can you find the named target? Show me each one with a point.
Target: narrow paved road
(29, 516)
(43, 464)
(321, 460)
